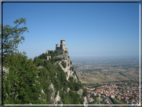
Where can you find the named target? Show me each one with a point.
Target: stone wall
(50, 51)
(62, 49)
(48, 57)
(62, 46)
(65, 49)
(59, 49)
(65, 55)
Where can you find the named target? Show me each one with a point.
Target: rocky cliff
(73, 85)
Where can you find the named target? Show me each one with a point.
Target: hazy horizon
(97, 57)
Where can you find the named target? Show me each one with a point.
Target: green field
(116, 101)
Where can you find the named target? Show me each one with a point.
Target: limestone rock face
(51, 86)
(52, 95)
(42, 91)
(39, 67)
(67, 70)
(6, 70)
(62, 55)
(57, 98)
(68, 89)
(80, 92)
(85, 102)
(54, 98)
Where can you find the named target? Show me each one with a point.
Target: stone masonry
(61, 49)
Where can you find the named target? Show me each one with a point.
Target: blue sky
(89, 29)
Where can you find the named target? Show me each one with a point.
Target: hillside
(48, 79)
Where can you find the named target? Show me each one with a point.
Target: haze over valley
(106, 69)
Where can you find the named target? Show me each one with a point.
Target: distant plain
(104, 70)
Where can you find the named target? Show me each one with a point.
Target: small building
(95, 94)
(88, 95)
(90, 99)
(112, 96)
(48, 57)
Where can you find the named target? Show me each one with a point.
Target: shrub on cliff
(63, 64)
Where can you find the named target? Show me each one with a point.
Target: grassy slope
(116, 101)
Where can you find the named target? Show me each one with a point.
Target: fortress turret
(57, 45)
(63, 52)
(47, 51)
(63, 45)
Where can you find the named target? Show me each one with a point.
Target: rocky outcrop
(51, 87)
(80, 92)
(42, 91)
(68, 89)
(6, 70)
(54, 98)
(57, 98)
(67, 70)
(85, 102)
(39, 67)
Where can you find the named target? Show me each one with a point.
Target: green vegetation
(19, 82)
(71, 68)
(28, 81)
(57, 59)
(116, 101)
(96, 99)
(12, 36)
(84, 92)
(66, 51)
(73, 85)
(63, 64)
(96, 85)
(22, 79)
(41, 60)
(92, 85)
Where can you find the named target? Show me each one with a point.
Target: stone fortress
(64, 55)
(63, 50)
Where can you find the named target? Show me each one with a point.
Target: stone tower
(57, 45)
(60, 49)
(63, 45)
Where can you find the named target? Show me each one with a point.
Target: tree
(20, 85)
(11, 36)
(84, 92)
